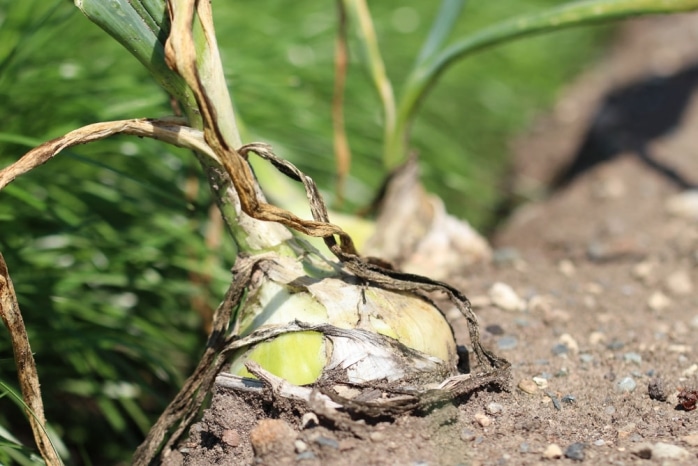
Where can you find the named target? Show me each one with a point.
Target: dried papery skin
(285, 293)
(414, 231)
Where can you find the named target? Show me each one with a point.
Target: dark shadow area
(631, 118)
(627, 122)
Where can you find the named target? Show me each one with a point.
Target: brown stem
(168, 130)
(26, 367)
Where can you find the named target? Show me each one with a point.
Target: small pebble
(626, 385)
(467, 435)
(541, 382)
(560, 348)
(552, 451)
(679, 348)
(377, 437)
(231, 437)
(524, 447)
(575, 451)
(667, 451)
(599, 443)
(306, 455)
(483, 419)
(586, 358)
(656, 389)
(309, 420)
(326, 442)
(569, 399)
(567, 340)
(632, 357)
(300, 446)
(679, 283)
(643, 270)
(528, 386)
(495, 329)
(596, 337)
(658, 301)
(507, 342)
(269, 434)
(566, 267)
(504, 297)
(494, 408)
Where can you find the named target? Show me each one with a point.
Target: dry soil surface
(602, 332)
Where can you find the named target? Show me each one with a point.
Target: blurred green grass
(284, 92)
(103, 241)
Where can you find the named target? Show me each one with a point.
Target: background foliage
(107, 244)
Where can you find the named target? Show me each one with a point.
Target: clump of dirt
(599, 317)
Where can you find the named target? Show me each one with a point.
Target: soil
(605, 350)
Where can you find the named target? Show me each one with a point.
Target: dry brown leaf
(26, 367)
(169, 130)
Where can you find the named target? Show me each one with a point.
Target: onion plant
(295, 314)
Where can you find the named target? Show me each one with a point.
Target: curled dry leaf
(170, 130)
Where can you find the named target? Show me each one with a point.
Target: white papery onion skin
(287, 290)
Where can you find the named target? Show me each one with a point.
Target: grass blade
(560, 17)
(440, 29)
(369, 42)
(140, 26)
